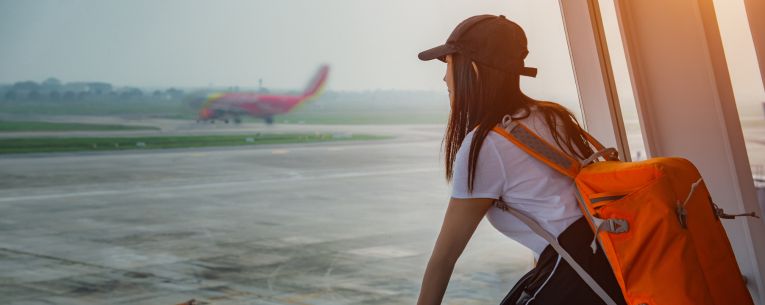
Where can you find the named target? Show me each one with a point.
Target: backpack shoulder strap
(537, 147)
(561, 251)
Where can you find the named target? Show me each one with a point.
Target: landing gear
(237, 120)
(269, 120)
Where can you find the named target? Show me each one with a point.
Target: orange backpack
(654, 220)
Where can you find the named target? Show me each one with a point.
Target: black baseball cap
(491, 40)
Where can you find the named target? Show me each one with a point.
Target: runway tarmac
(325, 223)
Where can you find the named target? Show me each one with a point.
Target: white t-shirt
(527, 184)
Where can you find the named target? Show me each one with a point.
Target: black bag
(553, 281)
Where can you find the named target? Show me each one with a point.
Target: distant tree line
(52, 90)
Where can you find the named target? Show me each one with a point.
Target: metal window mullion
(591, 63)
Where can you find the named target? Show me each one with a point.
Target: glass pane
(747, 83)
(622, 81)
(148, 156)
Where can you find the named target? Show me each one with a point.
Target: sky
(369, 44)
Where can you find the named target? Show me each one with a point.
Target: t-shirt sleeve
(489, 178)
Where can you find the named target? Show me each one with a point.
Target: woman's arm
(461, 219)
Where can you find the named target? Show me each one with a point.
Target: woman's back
(504, 170)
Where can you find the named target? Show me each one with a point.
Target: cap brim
(438, 52)
(532, 72)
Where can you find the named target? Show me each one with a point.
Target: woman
(485, 59)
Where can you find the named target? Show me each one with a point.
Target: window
(747, 84)
(136, 166)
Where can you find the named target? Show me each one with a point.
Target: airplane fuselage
(248, 104)
(233, 105)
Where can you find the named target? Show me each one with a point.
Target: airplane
(227, 106)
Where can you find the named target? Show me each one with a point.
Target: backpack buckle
(611, 225)
(682, 215)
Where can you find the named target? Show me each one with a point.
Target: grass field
(42, 145)
(19, 126)
(345, 113)
(100, 108)
(383, 107)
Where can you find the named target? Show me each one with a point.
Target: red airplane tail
(316, 83)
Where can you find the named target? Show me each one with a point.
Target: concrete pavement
(326, 223)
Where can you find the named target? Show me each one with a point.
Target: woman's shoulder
(490, 138)
(495, 146)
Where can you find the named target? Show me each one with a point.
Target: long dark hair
(482, 102)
